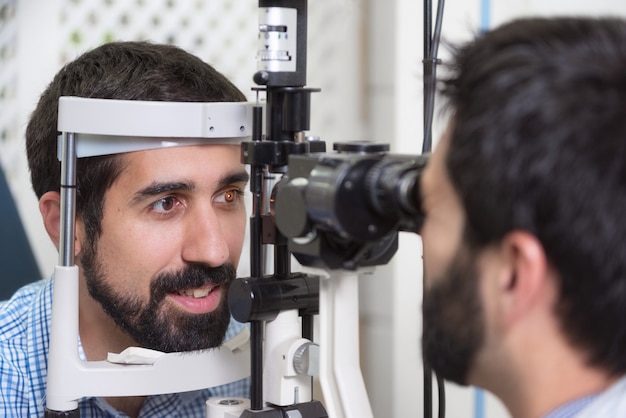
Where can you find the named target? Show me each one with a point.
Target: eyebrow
(237, 177)
(157, 188)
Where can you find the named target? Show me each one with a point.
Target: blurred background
(365, 55)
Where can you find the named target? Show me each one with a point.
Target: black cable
(426, 144)
(435, 51)
(442, 397)
(431, 49)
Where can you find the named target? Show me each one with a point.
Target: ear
(525, 285)
(50, 209)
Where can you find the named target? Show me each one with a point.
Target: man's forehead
(211, 160)
(183, 150)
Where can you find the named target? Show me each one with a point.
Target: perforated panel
(222, 33)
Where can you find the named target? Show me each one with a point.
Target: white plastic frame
(107, 126)
(345, 395)
(100, 126)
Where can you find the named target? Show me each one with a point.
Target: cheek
(133, 253)
(438, 251)
(441, 239)
(490, 292)
(133, 240)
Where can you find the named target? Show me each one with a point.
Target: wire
(442, 397)
(431, 50)
(430, 74)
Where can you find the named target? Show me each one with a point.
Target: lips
(200, 300)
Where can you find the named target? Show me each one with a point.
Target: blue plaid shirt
(610, 403)
(573, 408)
(24, 341)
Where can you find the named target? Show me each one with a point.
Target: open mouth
(200, 300)
(198, 293)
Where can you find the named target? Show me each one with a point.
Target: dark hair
(538, 144)
(118, 70)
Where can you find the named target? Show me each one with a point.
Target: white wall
(391, 333)
(37, 62)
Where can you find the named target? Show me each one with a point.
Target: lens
(393, 187)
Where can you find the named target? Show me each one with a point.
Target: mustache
(191, 276)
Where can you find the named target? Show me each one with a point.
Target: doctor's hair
(538, 144)
(123, 71)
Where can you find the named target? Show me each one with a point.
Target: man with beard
(158, 236)
(524, 236)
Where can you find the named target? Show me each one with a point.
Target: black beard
(453, 321)
(153, 326)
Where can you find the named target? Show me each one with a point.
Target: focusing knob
(261, 78)
(306, 359)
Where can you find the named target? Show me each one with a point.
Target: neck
(541, 373)
(543, 394)
(128, 405)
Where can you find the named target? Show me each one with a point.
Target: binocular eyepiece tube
(354, 197)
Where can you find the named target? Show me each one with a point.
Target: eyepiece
(344, 209)
(393, 186)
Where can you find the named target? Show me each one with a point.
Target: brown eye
(230, 196)
(164, 204)
(167, 203)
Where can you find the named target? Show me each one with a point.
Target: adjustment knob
(261, 78)
(306, 359)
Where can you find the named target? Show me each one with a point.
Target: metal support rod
(282, 257)
(256, 267)
(68, 199)
(428, 390)
(256, 369)
(307, 327)
(256, 222)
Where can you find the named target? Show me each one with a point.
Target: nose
(204, 241)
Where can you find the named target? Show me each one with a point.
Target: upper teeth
(196, 293)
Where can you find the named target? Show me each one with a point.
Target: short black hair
(538, 143)
(117, 70)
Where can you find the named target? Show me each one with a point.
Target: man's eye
(230, 196)
(164, 204)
